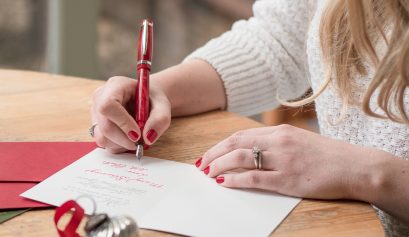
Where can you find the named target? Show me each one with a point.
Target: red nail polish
(133, 136)
(198, 162)
(220, 179)
(206, 170)
(152, 135)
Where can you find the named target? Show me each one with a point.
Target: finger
(116, 150)
(234, 142)
(115, 112)
(247, 139)
(257, 131)
(158, 121)
(110, 102)
(266, 180)
(240, 158)
(105, 143)
(111, 130)
(113, 133)
(99, 138)
(120, 88)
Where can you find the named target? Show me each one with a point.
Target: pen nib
(139, 151)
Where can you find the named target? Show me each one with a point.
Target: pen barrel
(142, 102)
(145, 45)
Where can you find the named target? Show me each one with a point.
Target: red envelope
(24, 164)
(10, 199)
(35, 161)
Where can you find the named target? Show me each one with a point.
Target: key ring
(94, 204)
(97, 224)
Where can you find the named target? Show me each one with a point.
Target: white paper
(164, 195)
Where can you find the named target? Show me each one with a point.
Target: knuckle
(285, 140)
(96, 93)
(115, 79)
(207, 158)
(163, 120)
(239, 133)
(253, 179)
(101, 141)
(284, 127)
(105, 128)
(123, 124)
(232, 141)
(105, 107)
(240, 156)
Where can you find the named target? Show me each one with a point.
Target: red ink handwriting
(114, 164)
(136, 168)
(126, 179)
(137, 173)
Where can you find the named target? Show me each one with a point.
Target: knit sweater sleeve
(262, 58)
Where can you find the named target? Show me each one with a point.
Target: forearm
(387, 184)
(192, 87)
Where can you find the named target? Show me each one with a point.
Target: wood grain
(43, 107)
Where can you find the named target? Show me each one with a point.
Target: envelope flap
(35, 161)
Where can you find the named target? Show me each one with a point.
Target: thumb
(158, 121)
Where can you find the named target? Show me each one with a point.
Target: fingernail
(133, 136)
(198, 162)
(152, 135)
(206, 170)
(220, 179)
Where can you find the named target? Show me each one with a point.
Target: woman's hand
(113, 109)
(295, 162)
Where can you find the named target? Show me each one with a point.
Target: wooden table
(42, 107)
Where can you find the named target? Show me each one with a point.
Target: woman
(353, 54)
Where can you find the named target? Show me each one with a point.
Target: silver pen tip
(139, 151)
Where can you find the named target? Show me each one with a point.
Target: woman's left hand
(295, 162)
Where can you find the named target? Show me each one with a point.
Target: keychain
(118, 226)
(97, 224)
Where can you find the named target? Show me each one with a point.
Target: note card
(164, 195)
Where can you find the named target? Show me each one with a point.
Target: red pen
(142, 88)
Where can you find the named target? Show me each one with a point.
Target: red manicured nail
(152, 135)
(220, 179)
(206, 170)
(198, 162)
(133, 136)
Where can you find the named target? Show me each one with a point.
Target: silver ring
(91, 130)
(144, 62)
(257, 157)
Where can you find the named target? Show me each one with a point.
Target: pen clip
(144, 37)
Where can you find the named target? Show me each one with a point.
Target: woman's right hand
(113, 111)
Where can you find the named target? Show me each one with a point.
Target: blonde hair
(349, 31)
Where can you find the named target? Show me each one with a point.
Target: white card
(164, 195)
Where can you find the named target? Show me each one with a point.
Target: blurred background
(97, 38)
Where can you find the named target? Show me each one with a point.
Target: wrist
(191, 88)
(166, 81)
(372, 180)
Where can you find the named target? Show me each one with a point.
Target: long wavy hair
(349, 32)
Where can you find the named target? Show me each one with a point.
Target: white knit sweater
(277, 53)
